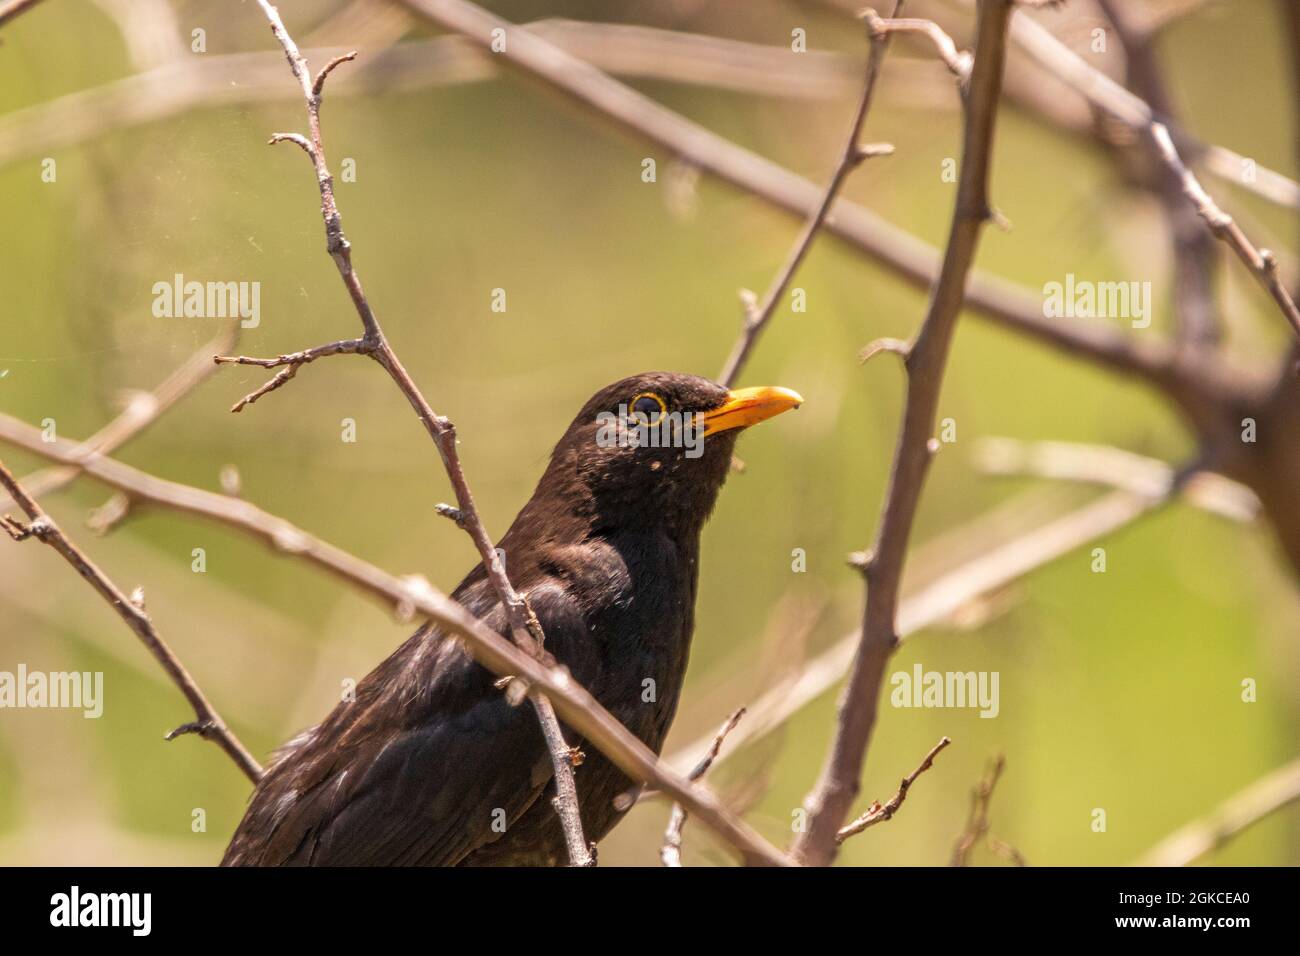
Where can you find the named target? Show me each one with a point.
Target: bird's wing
(428, 763)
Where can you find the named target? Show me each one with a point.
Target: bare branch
(880, 812)
(329, 68)
(291, 362)
(524, 626)
(851, 156)
(208, 723)
(1267, 795)
(671, 852)
(415, 596)
(838, 784)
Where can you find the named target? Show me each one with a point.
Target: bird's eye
(650, 406)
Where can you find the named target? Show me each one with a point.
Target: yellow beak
(749, 406)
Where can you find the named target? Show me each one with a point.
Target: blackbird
(430, 764)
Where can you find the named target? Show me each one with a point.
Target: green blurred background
(1119, 690)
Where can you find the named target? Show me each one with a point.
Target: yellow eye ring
(663, 407)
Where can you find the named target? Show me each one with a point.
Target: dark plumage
(430, 755)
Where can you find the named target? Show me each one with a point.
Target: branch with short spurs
(671, 852)
(410, 597)
(880, 812)
(207, 722)
(1242, 810)
(757, 313)
(524, 626)
(837, 785)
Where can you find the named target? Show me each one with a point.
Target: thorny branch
(207, 722)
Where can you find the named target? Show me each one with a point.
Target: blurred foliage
(1119, 690)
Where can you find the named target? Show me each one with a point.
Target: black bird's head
(654, 448)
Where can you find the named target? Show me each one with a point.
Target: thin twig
(880, 812)
(671, 852)
(207, 723)
(837, 786)
(291, 363)
(524, 626)
(852, 155)
(413, 596)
